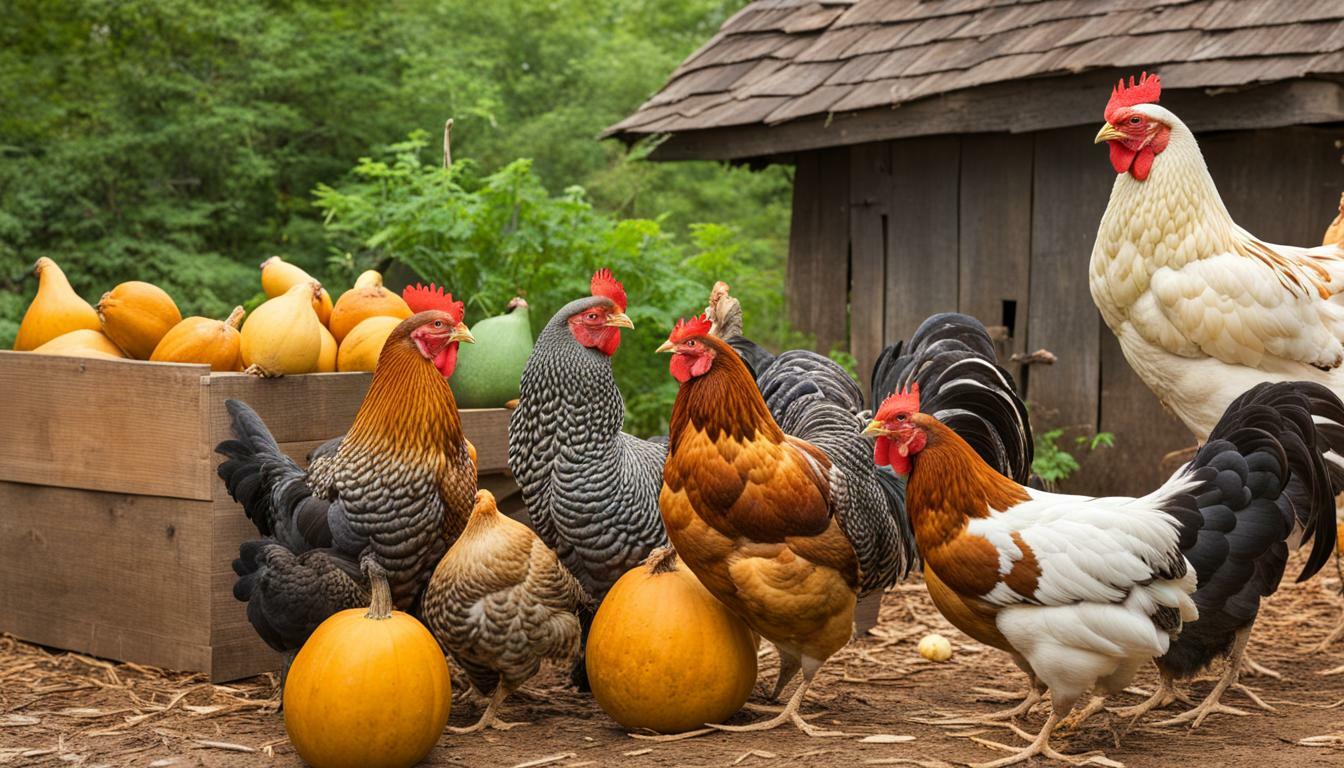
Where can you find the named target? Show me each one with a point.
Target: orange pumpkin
(370, 689)
(665, 654)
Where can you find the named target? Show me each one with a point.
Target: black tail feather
(952, 359)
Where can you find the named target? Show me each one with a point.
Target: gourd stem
(662, 560)
(380, 604)
(235, 317)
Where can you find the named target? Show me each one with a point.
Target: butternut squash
(136, 315)
(215, 343)
(283, 335)
(326, 360)
(369, 278)
(55, 311)
(278, 276)
(81, 343)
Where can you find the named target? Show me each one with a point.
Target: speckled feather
(500, 602)
(591, 490)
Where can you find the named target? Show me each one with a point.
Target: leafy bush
(1053, 464)
(489, 237)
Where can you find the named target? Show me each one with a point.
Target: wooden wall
(1001, 226)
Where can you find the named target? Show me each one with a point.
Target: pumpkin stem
(380, 606)
(662, 560)
(235, 317)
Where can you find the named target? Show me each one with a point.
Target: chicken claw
(789, 714)
(490, 718)
(1039, 746)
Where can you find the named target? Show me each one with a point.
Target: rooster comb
(422, 298)
(686, 328)
(1146, 91)
(901, 400)
(607, 286)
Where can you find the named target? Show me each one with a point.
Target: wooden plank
(923, 257)
(108, 574)
(316, 406)
(818, 274)
(1021, 106)
(1282, 185)
(122, 426)
(869, 194)
(1144, 431)
(995, 234)
(1066, 199)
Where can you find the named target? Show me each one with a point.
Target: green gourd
(488, 371)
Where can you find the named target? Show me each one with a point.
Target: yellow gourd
(359, 304)
(215, 343)
(278, 276)
(326, 360)
(362, 346)
(81, 343)
(55, 311)
(136, 315)
(369, 278)
(648, 658)
(368, 690)
(283, 335)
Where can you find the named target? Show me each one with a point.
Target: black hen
(1257, 507)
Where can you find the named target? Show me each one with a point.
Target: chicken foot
(1250, 666)
(1035, 692)
(1078, 716)
(1212, 704)
(490, 718)
(1165, 695)
(1039, 746)
(790, 714)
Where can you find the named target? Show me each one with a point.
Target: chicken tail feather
(289, 594)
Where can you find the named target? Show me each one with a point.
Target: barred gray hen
(387, 502)
(1275, 483)
(591, 490)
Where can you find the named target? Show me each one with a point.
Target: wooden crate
(116, 535)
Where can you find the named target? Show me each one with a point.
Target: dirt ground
(65, 709)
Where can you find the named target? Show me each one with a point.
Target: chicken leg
(1212, 703)
(1040, 743)
(490, 718)
(1165, 695)
(789, 714)
(1035, 692)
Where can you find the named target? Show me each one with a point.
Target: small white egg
(935, 648)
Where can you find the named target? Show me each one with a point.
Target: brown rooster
(500, 603)
(386, 503)
(770, 495)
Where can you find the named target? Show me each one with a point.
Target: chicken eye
(900, 417)
(438, 323)
(691, 343)
(592, 315)
(1135, 120)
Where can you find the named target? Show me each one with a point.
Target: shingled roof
(779, 62)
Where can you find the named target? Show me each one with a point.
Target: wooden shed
(944, 160)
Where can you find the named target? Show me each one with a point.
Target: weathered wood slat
(1071, 187)
(112, 575)
(869, 224)
(923, 255)
(818, 275)
(1144, 431)
(995, 234)
(109, 425)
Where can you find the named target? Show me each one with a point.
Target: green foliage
(178, 141)
(1054, 464)
(489, 237)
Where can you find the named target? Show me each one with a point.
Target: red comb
(422, 298)
(685, 329)
(1147, 91)
(904, 400)
(605, 285)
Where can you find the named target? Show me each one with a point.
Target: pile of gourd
(296, 330)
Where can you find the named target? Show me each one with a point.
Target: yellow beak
(1108, 132)
(874, 429)
(461, 333)
(620, 320)
(666, 346)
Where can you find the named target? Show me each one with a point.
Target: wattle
(1138, 163)
(446, 360)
